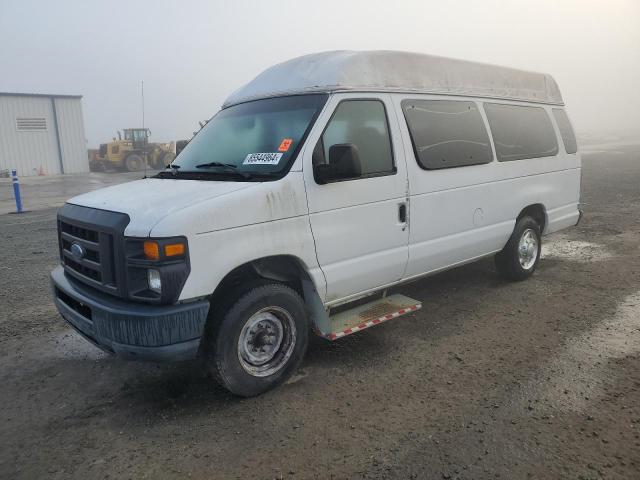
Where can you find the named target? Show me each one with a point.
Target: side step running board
(370, 314)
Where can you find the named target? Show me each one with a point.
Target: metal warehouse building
(42, 134)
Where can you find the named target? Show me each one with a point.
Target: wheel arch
(287, 269)
(538, 212)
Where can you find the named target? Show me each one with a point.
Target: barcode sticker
(262, 159)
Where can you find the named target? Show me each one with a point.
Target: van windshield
(254, 141)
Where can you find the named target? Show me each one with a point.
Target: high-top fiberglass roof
(389, 71)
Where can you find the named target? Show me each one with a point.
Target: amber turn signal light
(152, 250)
(174, 249)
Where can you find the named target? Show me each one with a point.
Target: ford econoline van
(319, 185)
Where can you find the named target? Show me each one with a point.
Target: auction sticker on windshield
(262, 159)
(286, 143)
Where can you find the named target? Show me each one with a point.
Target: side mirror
(344, 163)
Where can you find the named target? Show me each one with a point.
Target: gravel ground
(539, 379)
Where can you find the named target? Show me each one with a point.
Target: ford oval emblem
(78, 251)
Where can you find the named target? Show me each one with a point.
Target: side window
(355, 143)
(566, 130)
(447, 133)
(521, 132)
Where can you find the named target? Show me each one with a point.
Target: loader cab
(136, 135)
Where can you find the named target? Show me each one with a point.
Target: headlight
(157, 268)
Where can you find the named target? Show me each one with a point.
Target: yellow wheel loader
(129, 153)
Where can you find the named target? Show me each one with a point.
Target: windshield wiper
(217, 164)
(227, 168)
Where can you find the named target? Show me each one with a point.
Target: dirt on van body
(538, 379)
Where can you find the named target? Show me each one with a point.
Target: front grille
(90, 242)
(89, 272)
(94, 266)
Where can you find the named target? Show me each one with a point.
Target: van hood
(150, 200)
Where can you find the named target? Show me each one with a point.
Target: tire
(259, 340)
(520, 256)
(96, 166)
(133, 163)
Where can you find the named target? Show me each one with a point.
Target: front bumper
(133, 331)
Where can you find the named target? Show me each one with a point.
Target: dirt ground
(539, 379)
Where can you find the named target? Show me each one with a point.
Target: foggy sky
(192, 54)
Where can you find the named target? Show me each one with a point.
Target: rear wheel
(133, 163)
(521, 255)
(259, 341)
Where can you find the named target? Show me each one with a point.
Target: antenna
(144, 145)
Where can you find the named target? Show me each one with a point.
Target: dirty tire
(508, 261)
(133, 163)
(228, 358)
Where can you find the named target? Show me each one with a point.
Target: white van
(324, 181)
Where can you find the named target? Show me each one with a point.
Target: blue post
(16, 191)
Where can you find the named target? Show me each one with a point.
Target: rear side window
(446, 133)
(521, 132)
(566, 130)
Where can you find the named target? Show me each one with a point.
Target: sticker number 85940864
(262, 159)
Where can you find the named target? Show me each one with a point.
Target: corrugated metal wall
(73, 143)
(36, 152)
(29, 152)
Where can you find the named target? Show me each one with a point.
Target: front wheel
(521, 255)
(133, 163)
(260, 340)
